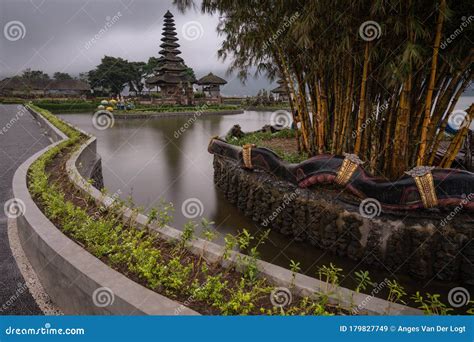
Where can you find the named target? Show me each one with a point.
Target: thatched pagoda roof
(210, 79)
(279, 90)
(170, 51)
(169, 45)
(169, 79)
(171, 67)
(17, 83)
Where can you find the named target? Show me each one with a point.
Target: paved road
(20, 137)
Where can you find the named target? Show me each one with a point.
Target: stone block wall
(424, 249)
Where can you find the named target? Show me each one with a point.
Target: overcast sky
(73, 35)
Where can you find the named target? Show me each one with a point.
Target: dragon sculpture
(421, 187)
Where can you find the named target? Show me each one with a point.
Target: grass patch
(151, 109)
(86, 106)
(269, 140)
(70, 106)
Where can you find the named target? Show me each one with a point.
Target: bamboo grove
(376, 78)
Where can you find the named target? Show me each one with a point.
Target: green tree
(61, 76)
(150, 66)
(34, 75)
(190, 73)
(112, 74)
(136, 77)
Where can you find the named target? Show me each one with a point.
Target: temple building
(281, 92)
(16, 86)
(211, 85)
(171, 75)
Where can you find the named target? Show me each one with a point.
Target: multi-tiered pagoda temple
(171, 74)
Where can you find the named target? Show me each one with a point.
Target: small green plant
(330, 275)
(230, 241)
(470, 311)
(295, 268)
(165, 210)
(396, 292)
(188, 233)
(432, 305)
(243, 239)
(363, 280)
(208, 232)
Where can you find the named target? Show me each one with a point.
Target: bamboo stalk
(444, 123)
(361, 117)
(429, 94)
(458, 140)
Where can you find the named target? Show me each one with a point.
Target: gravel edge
(31, 279)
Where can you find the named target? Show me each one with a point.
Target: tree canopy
(62, 76)
(112, 74)
(34, 75)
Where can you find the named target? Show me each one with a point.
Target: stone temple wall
(424, 250)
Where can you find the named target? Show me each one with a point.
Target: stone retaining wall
(422, 250)
(89, 165)
(197, 112)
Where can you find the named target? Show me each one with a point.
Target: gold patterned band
(247, 155)
(425, 184)
(347, 169)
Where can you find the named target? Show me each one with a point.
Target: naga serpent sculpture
(422, 187)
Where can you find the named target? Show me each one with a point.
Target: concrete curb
(75, 280)
(174, 114)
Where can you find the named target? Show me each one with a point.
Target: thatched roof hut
(211, 79)
(21, 86)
